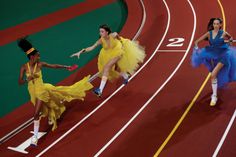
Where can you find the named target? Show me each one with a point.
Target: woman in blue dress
(219, 57)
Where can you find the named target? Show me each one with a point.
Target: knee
(118, 58)
(106, 68)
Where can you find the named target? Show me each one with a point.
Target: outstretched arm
(88, 49)
(55, 66)
(201, 39)
(93, 46)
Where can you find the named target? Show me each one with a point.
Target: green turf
(18, 11)
(55, 45)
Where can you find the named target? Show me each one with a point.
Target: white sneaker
(34, 141)
(213, 100)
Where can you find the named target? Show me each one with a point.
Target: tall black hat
(26, 46)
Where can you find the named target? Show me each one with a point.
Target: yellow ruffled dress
(53, 97)
(131, 53)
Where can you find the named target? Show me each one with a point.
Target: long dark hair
(210, 23)
(25, 45)
(106, 27)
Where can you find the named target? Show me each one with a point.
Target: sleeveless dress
(53, 97)
(131, 53)
(217, 51)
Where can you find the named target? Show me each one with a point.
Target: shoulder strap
(28, 67)
(102, 41)
(210, 34)
(35, 67)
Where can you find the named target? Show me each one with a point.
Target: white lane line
(143, 20)
(172, 50)
(224, 135)
(30, 121)
(98, 107)
(154, 95)
(16, 131)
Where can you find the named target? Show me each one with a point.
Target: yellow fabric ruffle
(55, 96)
(131, 54)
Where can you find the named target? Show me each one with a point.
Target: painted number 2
(175, 42)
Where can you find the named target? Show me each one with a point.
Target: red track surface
(200, 132)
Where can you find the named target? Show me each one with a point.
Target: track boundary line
(30, 121)
(182, 118)
(154, 95)
(225, 134)
(171, 50)
(116, 91)
(192, 102)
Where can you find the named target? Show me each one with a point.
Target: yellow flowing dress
(131, 53)
(53, 97)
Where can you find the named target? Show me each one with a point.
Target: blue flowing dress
(217, 51)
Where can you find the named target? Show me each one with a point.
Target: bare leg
(214, 83)
(38, 106)
(105, 74)
(109, 65)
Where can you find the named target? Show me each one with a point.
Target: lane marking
(171, 50)
(163, 85)
(224, 135)
(223, 14)
(98, 107)
(176, 42)
(16, 131)
(233, 116)
(182, 118)
(192, 102)
(30, 121)
(21, 148)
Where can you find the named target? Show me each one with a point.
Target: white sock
(103, 83)
(36, 127)
(124, 75)
(214, 87)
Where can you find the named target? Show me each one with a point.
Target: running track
(201, 130)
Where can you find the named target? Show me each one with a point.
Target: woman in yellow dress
(118, 57)
(47, 99)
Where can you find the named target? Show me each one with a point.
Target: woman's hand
(72, 68)
(196, 47)
(78, 53)
(35, 76)
(32, 77)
